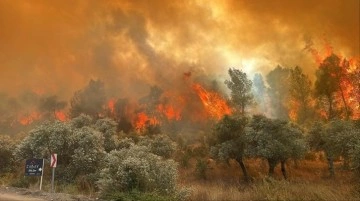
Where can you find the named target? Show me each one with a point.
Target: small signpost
(53, 163)
(35, 167)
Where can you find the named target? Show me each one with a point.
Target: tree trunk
(331, 166)
(283, 170)
(272, 165)
(243, 168)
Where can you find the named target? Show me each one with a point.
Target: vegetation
(276, 141)
(240, 87)
(230, 142)
(101, 150)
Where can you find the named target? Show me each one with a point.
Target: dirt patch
(21, 194)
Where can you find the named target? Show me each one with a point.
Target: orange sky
(55, 47)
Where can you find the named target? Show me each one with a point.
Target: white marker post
(53, 163)
(42, 173)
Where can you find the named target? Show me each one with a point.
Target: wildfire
(213, 103)
(142, 120)
(111, 105)
(169, 111)
(29, 118)
(60, 115)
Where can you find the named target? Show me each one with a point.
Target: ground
(20, 194)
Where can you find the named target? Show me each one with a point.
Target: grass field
(308, 180)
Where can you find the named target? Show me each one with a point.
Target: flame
(29, 118)
(142, 120)
(111, 105)
(213, 103)
(60, 115)
(294, 110)
(169, 111)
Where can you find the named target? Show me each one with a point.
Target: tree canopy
(240, 86)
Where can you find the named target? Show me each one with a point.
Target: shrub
(6, 154)
(160, 145)
(135, 168)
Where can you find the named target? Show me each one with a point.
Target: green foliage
(80, 148)
(6, 154)
(108, 129)
(135, 168)
(229, 138)
(334, 138)
(240, 86)
(160, 145)
(275, 140)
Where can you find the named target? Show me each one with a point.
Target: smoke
(56, 47)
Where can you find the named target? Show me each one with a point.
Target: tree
(80, 147)
(279, 83)
(50, 105)
(89, 100)
(355, 92)
(136, 168)
(329, 78)
(160, 145)
(108, 129)
(274, 140)
(300, 93)
(229, 141)
(122, 114)
(240, 87)
(6, 154)
(334, 138)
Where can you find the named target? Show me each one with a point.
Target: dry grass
(270, 189)
(307, 181)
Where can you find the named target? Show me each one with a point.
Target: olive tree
(274, 140)
(160, 145)
(6, 156)
(136, 168)
(336, 138)
(229, 141)
(79, 146)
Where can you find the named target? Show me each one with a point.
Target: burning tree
(240, 86)
(89, 100)
(51, 106)
(330, 84)
(300, 93)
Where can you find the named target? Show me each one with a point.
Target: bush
(135, 168)
(6, 154)
(201, 167)
(160, 145)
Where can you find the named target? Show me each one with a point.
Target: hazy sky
(55, 47)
